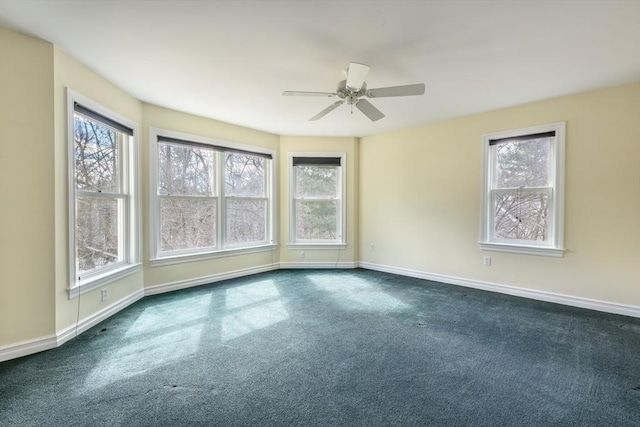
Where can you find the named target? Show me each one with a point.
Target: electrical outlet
(105, 295)
(487, 261)
(302, 254)
(372, 247)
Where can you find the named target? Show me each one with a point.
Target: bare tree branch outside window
(188, 202)
(246, 201)
(201, 188)
(521, 192)
(99, 200)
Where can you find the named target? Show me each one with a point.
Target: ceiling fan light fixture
(356, 75)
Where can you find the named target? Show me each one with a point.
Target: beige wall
(350, 146)
(26, 189)
(420, 198)
(163, 118)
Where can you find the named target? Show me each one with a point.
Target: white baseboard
(317, 265)
(25, 348)
(72, 331)
(604, 306)
(48, 342)
(183, 284)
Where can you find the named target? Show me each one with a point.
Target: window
(523, 190)
(245, 199)
(187, 196)
(207, 198)
(317, 198)
(102, 177)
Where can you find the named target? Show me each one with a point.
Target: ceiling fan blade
(356, 75)
(407, 90)
(369, 110)
(301, 93)
(326, 111)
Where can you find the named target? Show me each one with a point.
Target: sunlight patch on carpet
(142, 355)
(252, 319)
(169, 315)
(353, 293)
(253, 293)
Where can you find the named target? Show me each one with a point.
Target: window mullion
(100, 194)
(221, 206)
(523, 189)
(246, 198)
(127, 188)
(123, 231)
(121, 157)
(268, 232)
(183, 196)
(317, 198)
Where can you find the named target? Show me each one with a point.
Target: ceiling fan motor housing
(348, 94)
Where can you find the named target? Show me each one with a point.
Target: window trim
(129, 168)
(340, 243)
(554, 247)
(159, 258)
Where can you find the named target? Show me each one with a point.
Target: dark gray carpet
(334, 348)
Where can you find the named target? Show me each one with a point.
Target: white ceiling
(231, 60)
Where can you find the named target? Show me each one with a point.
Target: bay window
(208, 197)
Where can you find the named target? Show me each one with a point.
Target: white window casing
(316, 240)
(546, 187)
(124, 193)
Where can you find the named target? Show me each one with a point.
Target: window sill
(522, 249)
(182, 258)
(311, 246)
(103, 279)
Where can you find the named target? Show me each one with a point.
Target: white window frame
(222, 249)
(340, 242)
(266, 198)
(554, 246)
(129, 230)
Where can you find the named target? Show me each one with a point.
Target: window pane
(522, 163)
(316, 181)
(96, 155)
(521, 216)
(185, 170)
(244, 175)
(317, 220)
(187, 223)
(96, 232)
(246, 221)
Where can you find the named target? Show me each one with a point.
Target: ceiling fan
(354, 88)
